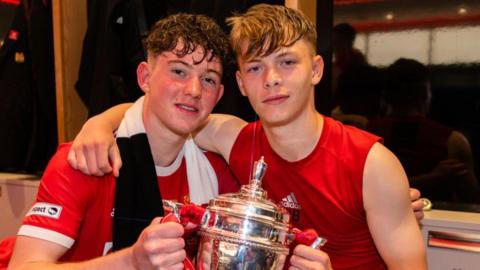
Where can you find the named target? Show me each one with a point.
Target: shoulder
(383, 170)
(345, 138)
(60, 177)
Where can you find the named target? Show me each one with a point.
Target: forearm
(219, 133)
(117, 260)
(110, 118)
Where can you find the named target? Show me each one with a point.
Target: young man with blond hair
(337, 179)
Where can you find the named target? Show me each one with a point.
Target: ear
(220, 92)
(317, 71)
(143, 76)
(238, 76)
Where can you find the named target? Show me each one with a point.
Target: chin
(274, 121)
(183, 130)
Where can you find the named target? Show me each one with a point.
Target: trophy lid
(252, 201)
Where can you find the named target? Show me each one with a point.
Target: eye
(252, 69)
(288, 62)
(210, 81)
(179, 72)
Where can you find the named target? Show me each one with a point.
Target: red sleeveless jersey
(323, 191)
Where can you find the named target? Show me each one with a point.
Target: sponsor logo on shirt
(46, 210)
(293, 207)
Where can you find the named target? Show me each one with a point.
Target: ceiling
(371, 15)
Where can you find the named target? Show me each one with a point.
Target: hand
(93, 149)
(160, 246)
(417, 203)
(305, 257)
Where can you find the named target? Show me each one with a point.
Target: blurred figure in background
(344, 54)
(359, 95)
(437, 159)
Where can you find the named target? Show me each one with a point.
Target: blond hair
(266, 28)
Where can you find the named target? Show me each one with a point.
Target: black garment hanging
(112, 49)
(27, 90)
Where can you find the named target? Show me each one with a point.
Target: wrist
(131, 259)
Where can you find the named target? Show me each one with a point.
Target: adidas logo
(291, 202)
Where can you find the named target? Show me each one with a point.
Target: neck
(164, 143)
(297, 139)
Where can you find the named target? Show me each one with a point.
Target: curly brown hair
(266, 28)
(194, 31)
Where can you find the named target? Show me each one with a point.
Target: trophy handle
(308, 237)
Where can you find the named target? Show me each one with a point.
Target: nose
(194, 88)
(272, 78)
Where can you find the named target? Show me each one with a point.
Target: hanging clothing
(27, 90)
(112, 49)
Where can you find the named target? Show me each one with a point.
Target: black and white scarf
(137, 197)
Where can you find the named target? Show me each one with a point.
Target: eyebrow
(283, 54)
(183, 63)
(287, 53)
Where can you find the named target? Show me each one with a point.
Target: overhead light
(462, 10)
(389, 16)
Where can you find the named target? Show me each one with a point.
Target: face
(179, 94)
(280, 85)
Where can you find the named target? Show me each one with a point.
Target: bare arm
(219, 133)
(94, 146)
(389, 214)
(34, 253)
(159, 245)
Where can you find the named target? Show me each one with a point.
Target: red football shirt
(322, 191)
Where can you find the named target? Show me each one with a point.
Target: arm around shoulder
(389, 215)
(219, 133)
(94, 151)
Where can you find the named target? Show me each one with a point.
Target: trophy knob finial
(259, 169)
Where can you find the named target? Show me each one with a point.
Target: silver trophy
(245, 230)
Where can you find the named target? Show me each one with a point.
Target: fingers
(94, 158)
(91, 161)
(81, 161)
(177, 266)
(169, 260)
(160, 246)
(102, 157)
(164, 230)
(72, 158)
(414, 194)
(308, 258)
(419, 215)
(114, 157)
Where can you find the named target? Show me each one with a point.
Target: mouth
(186, 107)
(277, 99)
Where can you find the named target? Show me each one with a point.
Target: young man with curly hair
(335, 178)
(70, 226)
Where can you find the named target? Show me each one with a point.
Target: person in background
(437, 159)
(345, 56)
(337, 179)
(76, 216)
(359, 96)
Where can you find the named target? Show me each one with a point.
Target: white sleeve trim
(46, 234)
